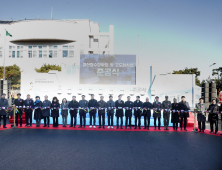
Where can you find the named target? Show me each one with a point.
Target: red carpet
(60, 127)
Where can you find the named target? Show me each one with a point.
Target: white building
(35, 42)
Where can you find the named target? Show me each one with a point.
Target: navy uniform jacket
(147, 106)
(201, 108)
(83, 104)
(110, 106)
(157, 106)
(3, 103)
(55, 109)
(28, 105)
(137, 112)
(174, 112)
(38, 110)
(46, 105)
(119, 111)
(213, 109)
(184, 106)
(92, 103)
(166, 105)
(128, 108)
(73, 106)
(101, 107)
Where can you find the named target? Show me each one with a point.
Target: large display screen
(107, 69)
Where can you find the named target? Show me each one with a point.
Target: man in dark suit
(119, 111)
(137, 111)
(3, 107)
(184, 109)
(19, 106)
(27, 105)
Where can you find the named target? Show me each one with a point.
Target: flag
(8, 34)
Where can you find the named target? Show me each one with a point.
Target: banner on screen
(108, 69)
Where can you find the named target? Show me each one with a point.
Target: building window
(13, 47)
(34, 54)
(55, 47)
(30, 47)
(65, 47)
(54, 54)
(21, 47)
(40, 47)
(13, 54)
(44, 47)
(18, 54)
(21, 54)
(30, 54)
(18, 47)
(71, 47)
(34, 47)
(40, 54)
(64, 53)
(10, 54)
(50, 47)
(0, 54)
(50, 54)
(10, 47)
(45, 54)
(71, 53)
(95, 40)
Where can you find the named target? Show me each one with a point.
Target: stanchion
(14, 117)
(194, 128)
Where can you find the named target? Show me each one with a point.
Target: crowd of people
(44, 109)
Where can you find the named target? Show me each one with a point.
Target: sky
(173, 34)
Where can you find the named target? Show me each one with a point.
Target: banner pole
(14, 116)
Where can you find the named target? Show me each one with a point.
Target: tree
(218, 79)
(46, 67)
(12, 73)
(190, 71)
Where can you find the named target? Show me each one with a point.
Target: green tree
(190, 71)
(12, 73)
(46, 67)
(218, 78)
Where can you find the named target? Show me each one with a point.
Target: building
(35, 42)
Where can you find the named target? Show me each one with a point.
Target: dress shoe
(44, 126)
(125, 127)
(185, 129)
(70, 126)
(139, 127)
(103, 127)
(94, 127)
(90, 126)
(203, 131)
(159, 128)
(144, 128)
(221, 134)
(134, 127)
(148, 128)
(173, 128)
(30, 125)
(80, 127)
(48, 126)
(4, 127)
(180, 128)
(99, 127)
(155, 128)
(26, 125)
(167, 128)
(130, 128)
(215, 132)
(84, 126)
(211, 132)
(20, 125)
(199, 131)
(121, 127)
(117, 127)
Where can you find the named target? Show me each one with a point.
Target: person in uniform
(201, 108)
(73, 107)
(19, 108)
(64, 112)
(37, 105)
(46, 105)
(110, 111)
(55, 111)
(137, 111)
(27, 105)
(166, 106)
(83, 108)
(3, 107)
(128, 112)
(175, 114)
(92, 111)
(213, 116)
(184, 109)
(119, 104)
(147, 106)
(157, 112)
(101, 111)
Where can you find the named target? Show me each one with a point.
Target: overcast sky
(174, 34)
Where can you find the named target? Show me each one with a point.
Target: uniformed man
(83, 108)
(19, 108)
(119, 111)
(175, 114)
(110, 111)
(201, 109)
(101, 111)
(166, 106)
(28, 106)
(184, 112)
(213, 116)
(138, 105)
(128, 111)
(46, 104)
(3, 107)
(147, 106)
(157, 112)
(92, 111)
(73, 107)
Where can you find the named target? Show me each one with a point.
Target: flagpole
(4, 59)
